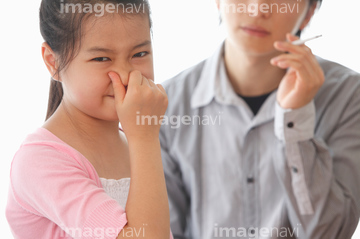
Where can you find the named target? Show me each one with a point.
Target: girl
(284, 162)
(71, 177)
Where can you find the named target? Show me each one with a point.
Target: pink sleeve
(52, 183)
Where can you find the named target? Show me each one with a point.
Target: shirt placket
(250, 181)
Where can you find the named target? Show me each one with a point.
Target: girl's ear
(49, 59)
(309, 15)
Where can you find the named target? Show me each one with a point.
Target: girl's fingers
(152, 83)
(135, 79)
(119, 88)
(146, 82)
(161, 88)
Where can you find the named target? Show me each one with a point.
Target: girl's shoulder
(45, 150)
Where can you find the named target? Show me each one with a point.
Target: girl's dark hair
(62, 31)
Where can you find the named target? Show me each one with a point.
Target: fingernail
(281, 64)
(280, 44)
(109, 74)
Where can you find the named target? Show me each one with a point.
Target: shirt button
(291, 125)
(295, 170)
(250, 180)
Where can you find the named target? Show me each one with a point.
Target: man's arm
(320, 179)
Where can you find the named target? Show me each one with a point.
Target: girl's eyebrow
(147, 42)
(100, 49)
(106, 50)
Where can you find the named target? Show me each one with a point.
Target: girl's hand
(303, 78)
(140, 106)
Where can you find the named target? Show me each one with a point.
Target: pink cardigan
(55, 192)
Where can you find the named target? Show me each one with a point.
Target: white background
(185, 32)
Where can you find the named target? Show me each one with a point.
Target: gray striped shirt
(279, 174)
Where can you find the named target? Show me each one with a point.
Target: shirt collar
(205, 89)
(214, 83)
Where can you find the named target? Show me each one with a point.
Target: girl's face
(254, 25)
(109, 43)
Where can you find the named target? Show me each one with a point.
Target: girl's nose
(123, 71)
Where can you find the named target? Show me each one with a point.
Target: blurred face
(254, 25)
(110, 43)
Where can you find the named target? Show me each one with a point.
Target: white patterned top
(117, 189)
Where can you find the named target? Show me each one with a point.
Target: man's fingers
(291, 37)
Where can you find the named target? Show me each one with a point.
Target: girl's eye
(141, 54)
(101, 59)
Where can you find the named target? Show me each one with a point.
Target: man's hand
(303, 78)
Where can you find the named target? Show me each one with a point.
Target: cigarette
(300, 42)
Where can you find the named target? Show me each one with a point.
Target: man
(283, 160)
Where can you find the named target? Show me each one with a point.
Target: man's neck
(251, 75)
